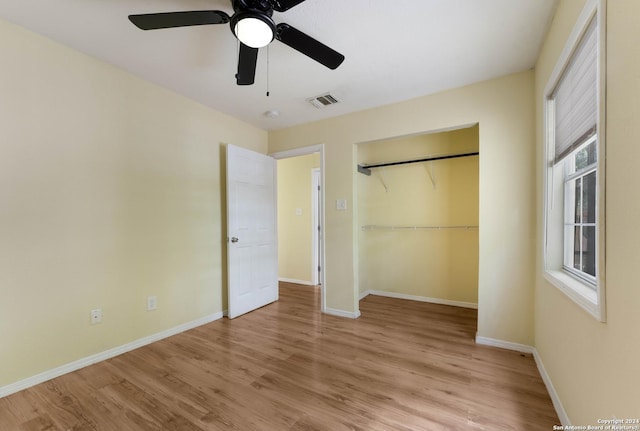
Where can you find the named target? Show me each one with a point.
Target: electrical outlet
(152, 303)
(96, 316)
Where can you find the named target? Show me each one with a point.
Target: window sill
(576, 290)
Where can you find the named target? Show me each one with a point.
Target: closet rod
(366, 169)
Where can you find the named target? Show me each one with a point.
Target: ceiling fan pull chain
(238, 57)
(267, 70)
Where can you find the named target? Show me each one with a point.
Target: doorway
(316, 226)
(300, 206)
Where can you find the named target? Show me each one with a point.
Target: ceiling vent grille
(322, 101)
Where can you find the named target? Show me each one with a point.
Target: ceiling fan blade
(308, 46)
(246, 65)
(154, 21)
(284, 5)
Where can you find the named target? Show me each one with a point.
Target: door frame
(303, 151)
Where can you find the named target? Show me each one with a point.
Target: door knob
(234, 239)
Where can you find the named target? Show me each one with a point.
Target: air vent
(322, 101)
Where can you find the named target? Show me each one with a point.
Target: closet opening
(418, 218)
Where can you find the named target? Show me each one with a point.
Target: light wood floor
(402, 366)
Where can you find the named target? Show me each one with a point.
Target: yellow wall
(110, 191)
(295, 243)
(593, 365)
(439, 264)
(504, 110)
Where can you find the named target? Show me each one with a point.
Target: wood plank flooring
(403, 365)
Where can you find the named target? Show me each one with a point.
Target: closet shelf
(384, 227)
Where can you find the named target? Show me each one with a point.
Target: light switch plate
(341, 204)
(152, 303)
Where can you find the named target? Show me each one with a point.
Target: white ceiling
(395, 50)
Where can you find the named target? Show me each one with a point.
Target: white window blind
(576, 96)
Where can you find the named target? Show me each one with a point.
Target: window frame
(588, 293)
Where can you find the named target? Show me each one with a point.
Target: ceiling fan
(252, 25)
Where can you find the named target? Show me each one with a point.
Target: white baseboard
(504, 344)
(557, 404)
(107, 354)
(419, 298)
(342, 313)
(294, 281)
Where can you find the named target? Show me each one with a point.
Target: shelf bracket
(382, 180)
(429, 169)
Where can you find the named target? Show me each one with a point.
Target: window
(574, 187)
(580, 212)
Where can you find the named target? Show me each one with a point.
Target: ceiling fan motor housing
(260, 6)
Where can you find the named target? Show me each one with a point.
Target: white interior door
(252, 252)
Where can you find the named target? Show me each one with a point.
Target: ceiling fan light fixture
(253, 29)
